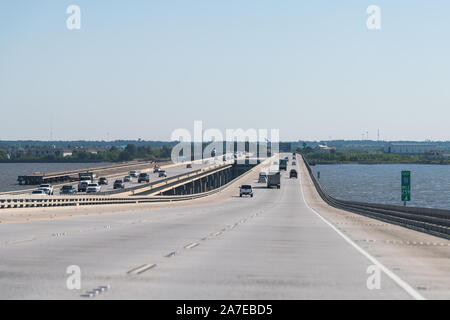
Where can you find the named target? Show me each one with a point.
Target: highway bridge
(287, 243)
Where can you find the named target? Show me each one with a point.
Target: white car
(47, 188)
(39, 192)
(93, 187)
(134, 173)
(162, 173)
(246, 190)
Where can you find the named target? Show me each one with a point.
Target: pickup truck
(93, 187)
(82, 185)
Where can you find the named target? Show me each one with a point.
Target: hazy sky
(140, 69)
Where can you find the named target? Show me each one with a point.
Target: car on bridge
(39, 192)
(119, 184)
(47, 188)
(156, 169)
(144, 177)
(293, 173)
(67, 189)
(162, 173)
(82, 186)
(127, 179)
(294, 163)
(246, 190)
(189, 166)
(134, 173)
(93, 187)
(103, 181)
(262, 177)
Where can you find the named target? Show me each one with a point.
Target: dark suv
(293, 173)
(144, 177)
(119, 184)
(68, 189)
(103, 181)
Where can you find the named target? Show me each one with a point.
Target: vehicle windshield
(245, 186)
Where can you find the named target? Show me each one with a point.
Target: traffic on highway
(126, 180)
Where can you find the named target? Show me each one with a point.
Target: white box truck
(273, 180)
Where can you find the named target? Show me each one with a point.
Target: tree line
(114, 154)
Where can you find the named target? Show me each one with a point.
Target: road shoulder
(420, 259)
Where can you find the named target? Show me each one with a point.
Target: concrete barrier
(428, 220)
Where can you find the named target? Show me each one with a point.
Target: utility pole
(51, 129)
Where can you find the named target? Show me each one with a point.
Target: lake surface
(10, 171)
(430, 184)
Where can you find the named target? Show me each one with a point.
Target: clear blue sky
(140, 69)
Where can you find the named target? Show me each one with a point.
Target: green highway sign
(406, 186)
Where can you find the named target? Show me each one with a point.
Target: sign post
(406, 186)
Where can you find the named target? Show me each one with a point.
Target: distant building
(324, 148)
(44, 151)
(410, 148)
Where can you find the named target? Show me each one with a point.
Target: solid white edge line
(401, 283)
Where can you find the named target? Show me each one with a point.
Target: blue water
(430, 184)
(10, 171)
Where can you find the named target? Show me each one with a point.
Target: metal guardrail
(65, 201)
(432, 221)
(133, 165)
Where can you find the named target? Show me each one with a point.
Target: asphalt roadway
(271, 246)
(171, 170)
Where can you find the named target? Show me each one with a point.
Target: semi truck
(273, 180)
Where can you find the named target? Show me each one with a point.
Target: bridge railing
(18, 201)
(428, 220)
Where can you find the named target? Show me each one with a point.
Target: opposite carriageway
(185, 186)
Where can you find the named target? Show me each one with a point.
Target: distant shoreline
(313, 163)
(56, 161)
(315, 158)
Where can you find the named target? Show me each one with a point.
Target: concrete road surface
(271, 246)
